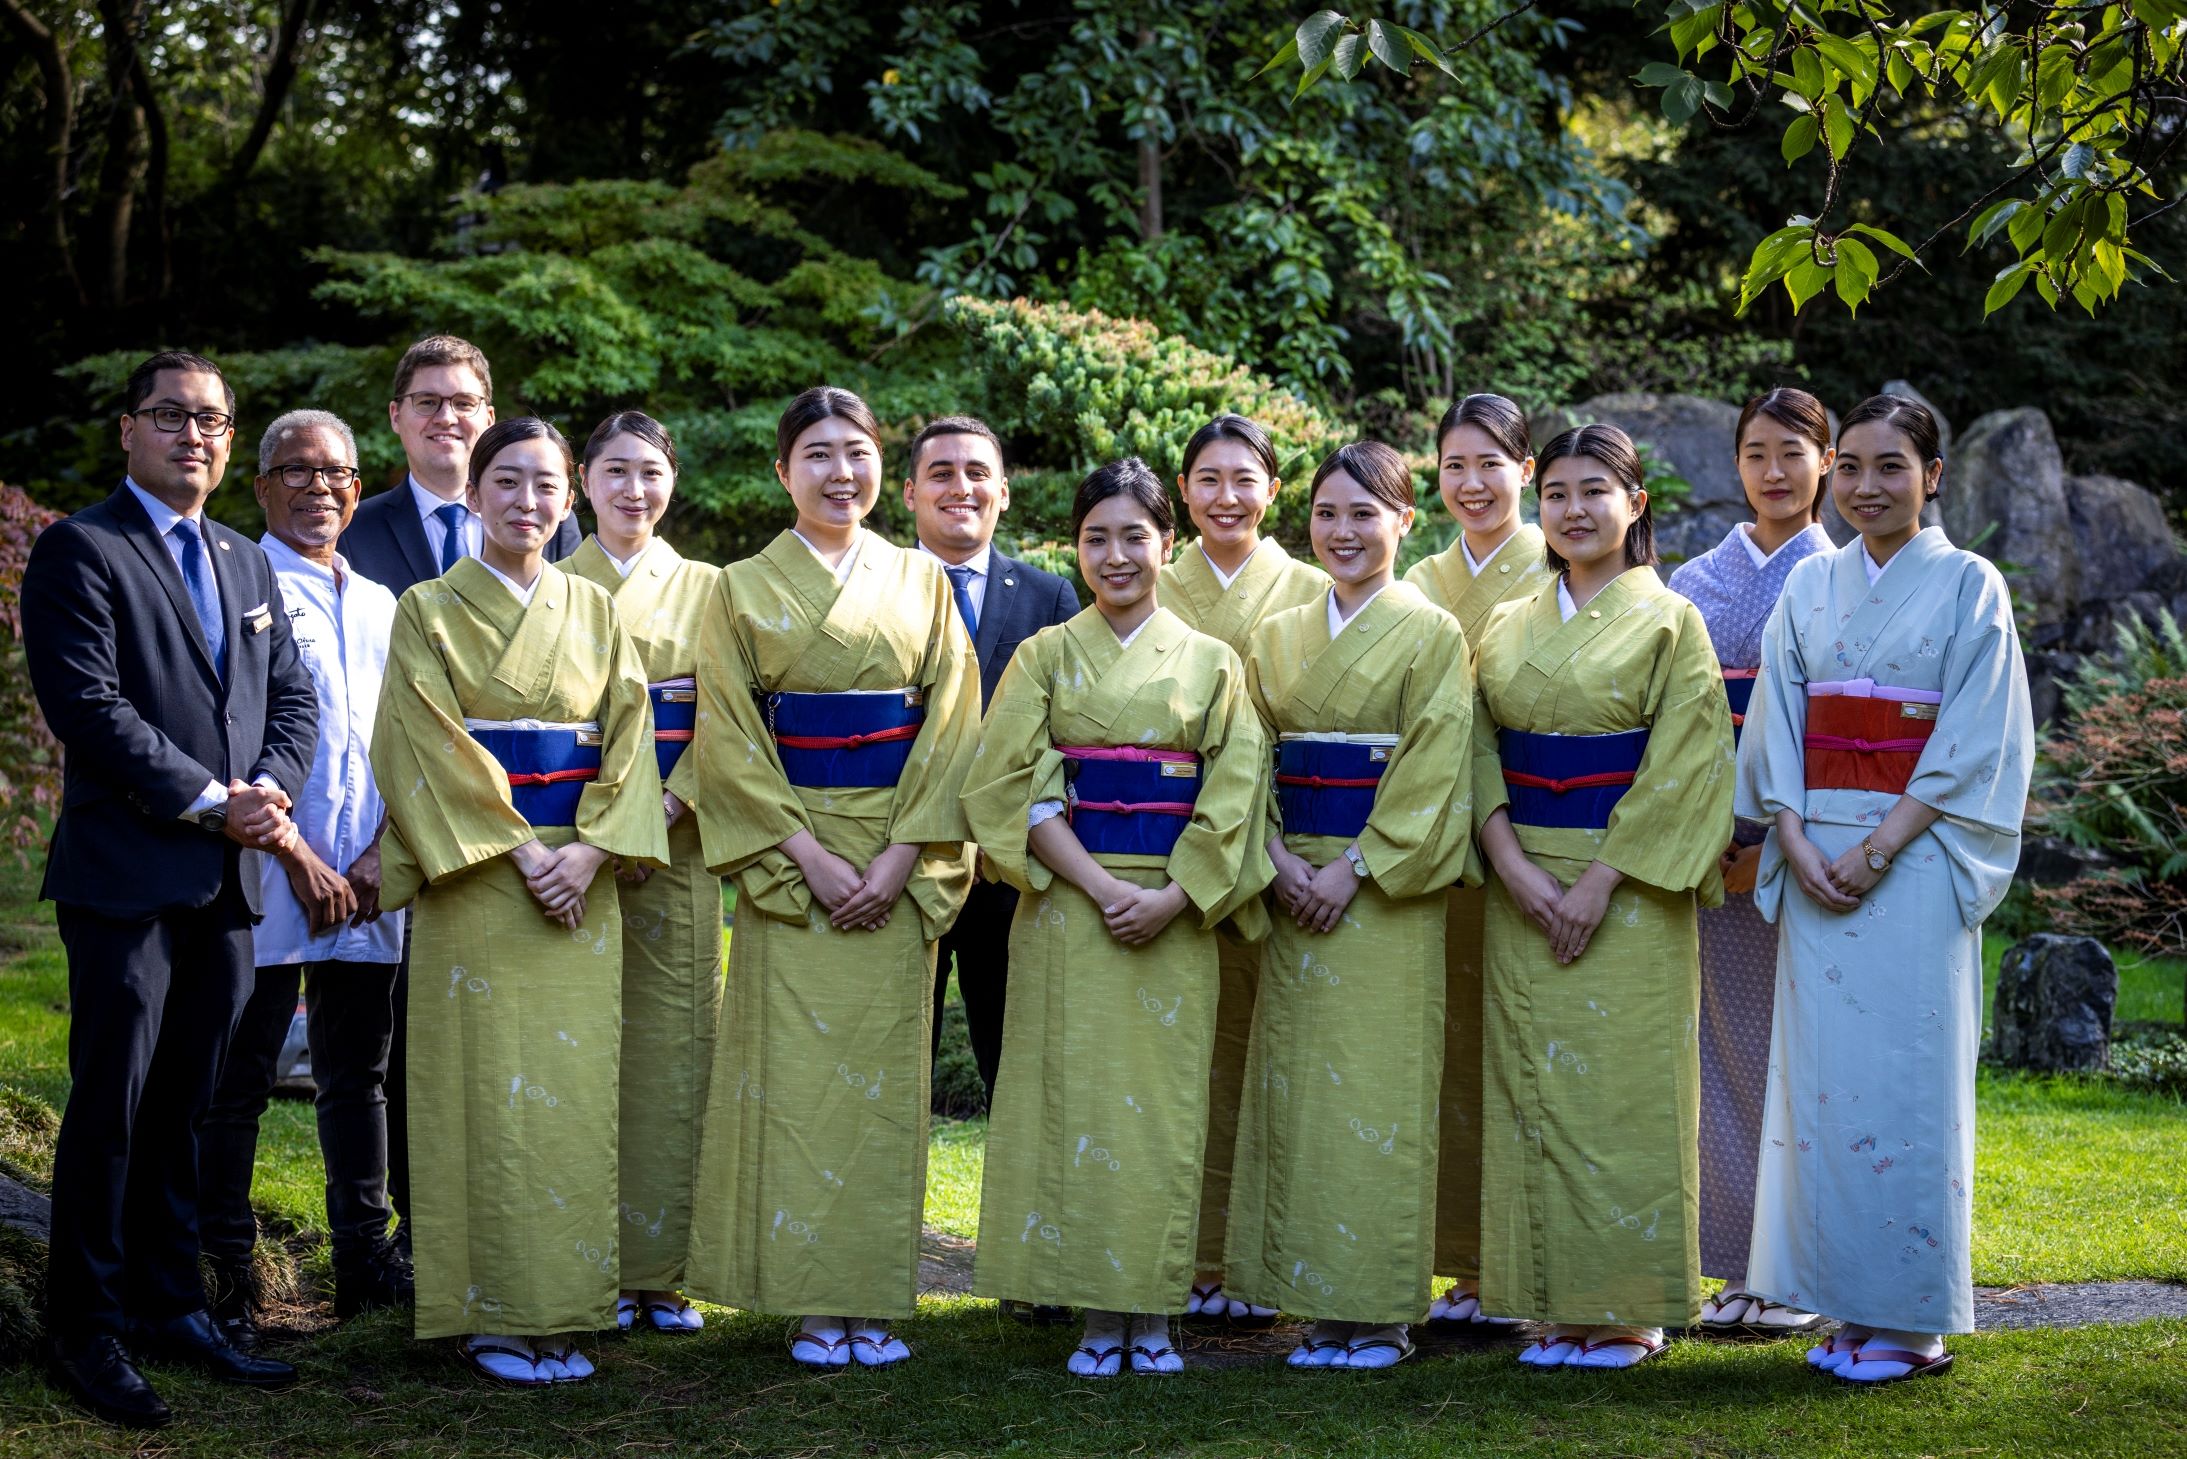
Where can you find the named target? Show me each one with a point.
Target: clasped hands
(1566, 915)
(258, 817)
(1316, 899)
(855, 900)
(1836, 885)
(558, 877)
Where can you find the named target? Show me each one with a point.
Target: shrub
(30, 758)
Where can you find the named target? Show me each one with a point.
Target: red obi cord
(1575, 782)
(1325, 782)
(673, 737)
(1864, 744)
(1127, 807)
(831, 742)
(550, 777)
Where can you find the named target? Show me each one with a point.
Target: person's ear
(1002, 495)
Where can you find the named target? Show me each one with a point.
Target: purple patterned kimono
(1738, 948)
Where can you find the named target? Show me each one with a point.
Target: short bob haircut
(633, 423)
(1798, 412)
(1231, 427)
(1130, 477)
(1497, 415)
(1614, 449)
(1374, 466)
(816, 405)
(1911, 419)
(501, 435)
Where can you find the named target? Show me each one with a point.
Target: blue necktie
(197, 576)
(960, 588)
(452, 517)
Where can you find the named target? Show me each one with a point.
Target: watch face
(1876, 861)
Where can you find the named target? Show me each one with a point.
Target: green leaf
(2009, 283)
(1991, 218)
(1799, 138)
(1350, 55)
(2054, 76)
(1838, 129)
(1804, 280)
(1660, 73)
(2026, 227)
(1317, 37)
(2078, 159)
(1683, 97)
(1808, 72)
(1290, 52)
(1858, 259)
(1900, 70)
(1312, 74)
(1387, 48)
(2110, 264)
(1717, 94)
(1699, 26)
(1891, 241)
(1772, 256)
(1423, 47)
(2046, 288)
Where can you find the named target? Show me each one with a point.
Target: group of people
(1525, 922)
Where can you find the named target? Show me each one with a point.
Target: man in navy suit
(442, 402)
(161, 656)
(956, 493)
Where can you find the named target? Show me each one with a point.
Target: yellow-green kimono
(1271, 581)
(514, 1020)
(1332, 1212)
(1590, 1174)
(1100, 1118)
(1512, 571)
(671, 940)
(812, 1166)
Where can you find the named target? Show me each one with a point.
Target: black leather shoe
(235, 1303)
(98, 1374)
(196, 1341)
(382, 1279)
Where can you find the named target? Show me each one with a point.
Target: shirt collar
(163, 516)
(1754, 550)
(978, 561)
(287, 559)
(1566, 608)
(427, 503)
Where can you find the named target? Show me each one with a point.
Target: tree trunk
(126, 146)
(60, 119)
(155, 181)
(296, 17)
(1150, 169)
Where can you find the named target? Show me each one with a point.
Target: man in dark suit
(442, 402)
(161, 656)
(956, 493)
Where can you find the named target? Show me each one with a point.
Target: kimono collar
(1557, 640)
(1122, 669)
(1342, 651)
(1863, 609)
(591, 561)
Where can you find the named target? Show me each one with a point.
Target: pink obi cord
(1879, 747)
(1126, 752)
(1870, 689)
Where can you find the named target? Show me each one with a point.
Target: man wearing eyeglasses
(442, 402)
(322, 927)
(161, 654)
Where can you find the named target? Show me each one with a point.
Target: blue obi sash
(1568, 781)
(675, 715)
(1128, 801)
(548, 766)
(848, 740)
(1327, 787)
(1739, 689)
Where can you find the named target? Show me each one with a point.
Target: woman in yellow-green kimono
(1603, 779)
(839, 706)
(1369, 695)
(514, 744)
(1119, 787)
(1223, 585)
(671, 918)
(1485, 460)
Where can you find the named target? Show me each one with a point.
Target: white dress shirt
(341, 623)
(436, 531)
(976, 588)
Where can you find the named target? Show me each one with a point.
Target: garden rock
(2055, 995)
(2120, 532)
(2009, 471)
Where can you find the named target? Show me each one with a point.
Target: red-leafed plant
(30, 758)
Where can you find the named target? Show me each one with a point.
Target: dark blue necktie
(960, 588)
(197, 576)
(453, 518)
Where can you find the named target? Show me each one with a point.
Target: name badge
(258, 619)
(591, 737)
(914, 697)
(679, 696)
(1917, 711)
(1378, 755)
(1179, 770)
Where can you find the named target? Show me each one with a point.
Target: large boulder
(2121, 535)
(2055, 995)
(2009, 472)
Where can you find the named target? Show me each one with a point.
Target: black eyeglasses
(168, 419)
(298, 477)
(425, 406)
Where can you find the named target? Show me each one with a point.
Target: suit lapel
(409, 532)
(1002, 592)
(142, 535)
(227, 572)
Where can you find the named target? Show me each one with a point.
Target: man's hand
(364, 881)
(257, 817)
(1740, 865)
(328, 898)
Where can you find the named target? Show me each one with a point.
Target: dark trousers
(348, 1019)
(152, 1005)
(980, 944)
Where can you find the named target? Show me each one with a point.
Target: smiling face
(522, 495)
(1355, 532)
(1480, 483)
(311, 517)
(181, 467)
(1119, 551)
(1782, 470)
(956, 493)
(833, 476)
(1586, 510)
(1880, 484)
(438, 447)
(1226, 494)
(629, 482)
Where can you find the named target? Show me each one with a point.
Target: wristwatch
(214, 818)
(1359, 862)
(1877, 861)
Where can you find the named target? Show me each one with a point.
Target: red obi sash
(1862, 735)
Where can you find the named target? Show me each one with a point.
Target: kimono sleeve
(1772, 774)
(1221, 858)
(1670, 829)
(447, 799)
(1260, 643)
(1485, 763)
(928, 808)
(1015, 766)
(1981, 755)
(1419, 837)
(620, 811)
(745, 805)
